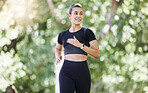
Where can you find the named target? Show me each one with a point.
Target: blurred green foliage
(28, 31)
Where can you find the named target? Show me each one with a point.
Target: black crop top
(84, 35)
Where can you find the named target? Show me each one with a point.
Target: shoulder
(88, 30)
(63, 32)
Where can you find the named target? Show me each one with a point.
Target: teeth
(78, 20)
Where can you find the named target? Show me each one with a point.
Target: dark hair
(73, 6)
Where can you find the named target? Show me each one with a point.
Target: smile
(78, 20)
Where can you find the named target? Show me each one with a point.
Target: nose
(79, 15)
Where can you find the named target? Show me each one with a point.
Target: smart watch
(83, 46)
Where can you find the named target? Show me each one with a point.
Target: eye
(75, 13)
(81, 13)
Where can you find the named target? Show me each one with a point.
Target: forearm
(93, 52)
(57, 52)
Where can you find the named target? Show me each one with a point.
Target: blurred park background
(28, 33)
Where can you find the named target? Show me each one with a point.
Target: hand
(58, 59)
(74, 42)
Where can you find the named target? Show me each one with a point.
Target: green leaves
(28, 33)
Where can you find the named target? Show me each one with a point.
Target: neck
(75, 28)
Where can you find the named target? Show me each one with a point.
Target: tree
(28, 30)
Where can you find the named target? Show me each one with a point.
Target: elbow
(58, 49)
(97, 56)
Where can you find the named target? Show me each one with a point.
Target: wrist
(82, 46)
(57, 56)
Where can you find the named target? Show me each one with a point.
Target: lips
(78, 20)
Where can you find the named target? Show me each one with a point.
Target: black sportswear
(84, 35)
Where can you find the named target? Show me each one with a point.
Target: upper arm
(94, 44)
(90, 35)
(59, 46)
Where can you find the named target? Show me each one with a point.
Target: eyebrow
(77, 11)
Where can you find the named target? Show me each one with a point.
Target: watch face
(83, 45)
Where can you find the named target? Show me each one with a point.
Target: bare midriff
(75, 57)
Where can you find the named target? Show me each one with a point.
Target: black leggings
(74, 76)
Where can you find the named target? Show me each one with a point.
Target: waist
(75, 69)
(75, 57)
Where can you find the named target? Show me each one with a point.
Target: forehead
(77, 9)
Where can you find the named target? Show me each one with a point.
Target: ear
(69, 16)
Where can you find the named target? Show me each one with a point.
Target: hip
(75, 68)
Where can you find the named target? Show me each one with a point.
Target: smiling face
(76, 16)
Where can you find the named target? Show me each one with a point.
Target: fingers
(70, 41)
(58, 60)
(75, 39)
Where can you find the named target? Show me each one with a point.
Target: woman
(77, 42)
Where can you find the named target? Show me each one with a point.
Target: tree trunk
(4, 1)
(52, 8)
(110, 16)
(10, 89)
